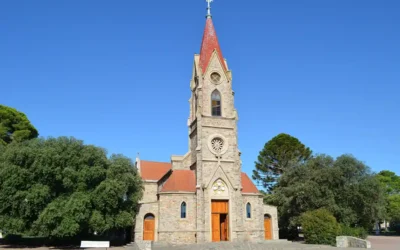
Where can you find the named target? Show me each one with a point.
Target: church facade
(203, 196)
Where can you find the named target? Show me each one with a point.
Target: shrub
(320, 227)
(357, 232)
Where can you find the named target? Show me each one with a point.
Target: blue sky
(116, 73)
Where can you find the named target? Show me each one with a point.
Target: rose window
(217, 144)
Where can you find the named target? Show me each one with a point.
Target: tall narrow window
(183, 210)
(216, 103)
(248, 210)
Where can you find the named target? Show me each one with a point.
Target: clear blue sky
(116, 73)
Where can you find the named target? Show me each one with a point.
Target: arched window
(183, 210)
(248, 210)
(216, 103)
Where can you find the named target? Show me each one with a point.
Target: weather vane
(209, 7)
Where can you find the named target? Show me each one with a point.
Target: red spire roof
(208, 45)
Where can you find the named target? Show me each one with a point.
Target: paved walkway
(378, 243)
(249, 246)
(385, 242)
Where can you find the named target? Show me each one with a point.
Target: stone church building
(204, 196)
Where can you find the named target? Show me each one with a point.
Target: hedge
(357, 232)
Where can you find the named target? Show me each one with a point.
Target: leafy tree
(391, 184)
(390, 181)
(344, 186)
(394, 207)
(15, 126)
(59, 187)
(278, 155)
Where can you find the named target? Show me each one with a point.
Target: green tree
(15, 126)
(391, 184)
(278, 155)
(344, 186)
(59, 187)
(390, 181)
(394, 207)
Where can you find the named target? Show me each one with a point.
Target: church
(203, 196)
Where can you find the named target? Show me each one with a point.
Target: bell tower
(213, 143)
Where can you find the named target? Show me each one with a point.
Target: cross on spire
(209, 8)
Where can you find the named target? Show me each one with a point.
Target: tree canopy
(344, 186)
(59, 187)
(278, 155)
(390, 181)
(391, 185)
(15, 126)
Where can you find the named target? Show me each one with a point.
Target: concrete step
(266, 245)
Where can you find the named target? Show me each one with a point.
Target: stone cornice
(251, 194)
(176, 193)
(221, 160)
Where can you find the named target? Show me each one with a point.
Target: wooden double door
(220, 220)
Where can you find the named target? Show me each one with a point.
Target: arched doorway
(268, 227)
(148, 227)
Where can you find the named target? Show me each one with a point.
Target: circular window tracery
(217, 144)
(219, 187)
(215, 77)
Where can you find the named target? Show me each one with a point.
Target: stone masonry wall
(347, 241)
(273, 212)
(172, 227)
(144, 209)
(254, 226)
(150, 192)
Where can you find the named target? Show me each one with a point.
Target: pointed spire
(210, 43)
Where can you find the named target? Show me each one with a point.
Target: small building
(203, 196)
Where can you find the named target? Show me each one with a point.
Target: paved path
(249, 246)
(378, 243)
(385, 242)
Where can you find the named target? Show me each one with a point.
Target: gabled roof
(180, 181)
(248, 185)
(208, 45)
(153, 171)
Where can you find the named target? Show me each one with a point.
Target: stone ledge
(143, 245)
(347, 241)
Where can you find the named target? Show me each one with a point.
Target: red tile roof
(208, 45)
(153, 171)
(248, 185)
(180, 180)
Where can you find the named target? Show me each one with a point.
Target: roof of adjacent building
(248, 185)
(181, 180)
(153, 171)
(208, 45)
